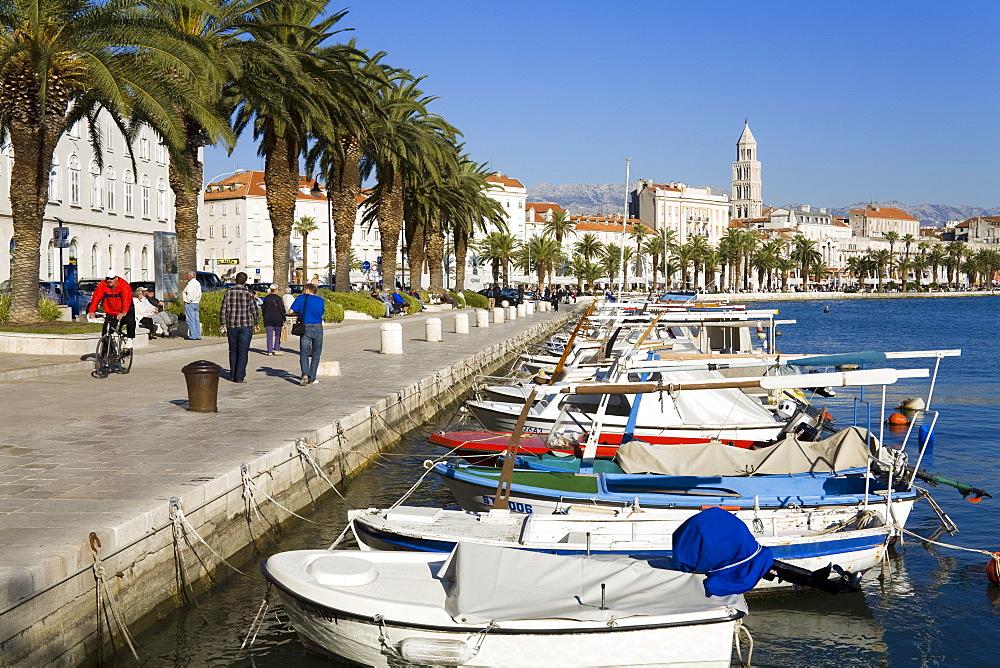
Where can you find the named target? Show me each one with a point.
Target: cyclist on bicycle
(117, 297)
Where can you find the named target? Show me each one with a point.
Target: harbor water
(931, 605)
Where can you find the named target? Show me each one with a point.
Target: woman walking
(310, 308)
(274, 319)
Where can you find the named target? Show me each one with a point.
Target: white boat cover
(848, 448)
(496, 583)
(727, 407)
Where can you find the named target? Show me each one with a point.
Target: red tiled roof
(884, 212)
(603, 224)
(737, 223)
(251, 184)
(504, 180)
(544, 206)
(989, 219)
(840, 222)
(660, 186)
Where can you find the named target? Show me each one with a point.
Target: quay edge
(48, 618)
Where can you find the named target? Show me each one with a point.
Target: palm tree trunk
(434, 243)
(281, 175)
(186, 175)
(416, 252)
(461, 251)
(305, 259)
(390, 224)
(344, 191)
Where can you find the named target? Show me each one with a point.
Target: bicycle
(111, 355)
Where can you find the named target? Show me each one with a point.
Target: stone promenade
(81, 455)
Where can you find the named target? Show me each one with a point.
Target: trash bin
(202, 379)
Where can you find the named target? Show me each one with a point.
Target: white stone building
(875, 221)
(111, 212)
(685, 210)
(832, 236)
(747, 199)
(235, 234)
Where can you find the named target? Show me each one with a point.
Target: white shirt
(143, 309)
(192, 292)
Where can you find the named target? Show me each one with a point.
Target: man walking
(311, 308)
(192, 304)
(239, 318)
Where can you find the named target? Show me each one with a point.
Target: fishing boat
(489, 606)
(847, 549)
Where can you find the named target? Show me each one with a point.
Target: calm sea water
(936, 607)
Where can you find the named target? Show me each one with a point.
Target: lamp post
(621, 285)
(206, 184)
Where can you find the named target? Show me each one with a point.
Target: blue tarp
(718, 544)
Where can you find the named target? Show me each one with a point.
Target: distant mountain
(596, 199)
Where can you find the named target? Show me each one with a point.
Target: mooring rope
(106, 600)
(250, 487)
(303, 451)
(184, 528)
(989, 554)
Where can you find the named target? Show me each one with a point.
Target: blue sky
(849, 101)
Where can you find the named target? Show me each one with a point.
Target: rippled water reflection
(936, 606)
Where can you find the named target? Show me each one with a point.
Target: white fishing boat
(487, 606)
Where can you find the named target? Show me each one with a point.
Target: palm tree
(804, 251)
(731, 253)
(611, 260)
(697, 249)
(544, 253)
(882, 258)
(655, 248)
(892, 236)
(748, 242)
(687, 255)
(589, 246)
(304, 226)
(711, 260)
(785, 265)
(989, 259)
(955, 250)
(908, 240)
(639, 233)
(670, 267)
(904, 267)
(62, 61)
(472, 210)
(498, 248)
(936, 258)
(559, 226)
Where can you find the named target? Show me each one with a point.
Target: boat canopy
(846, 449)
(489, 583)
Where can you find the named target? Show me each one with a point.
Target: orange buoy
(897, 418)
(993, 569)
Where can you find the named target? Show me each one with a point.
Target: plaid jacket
(239, 308)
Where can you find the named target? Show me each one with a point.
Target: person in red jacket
(117, 301)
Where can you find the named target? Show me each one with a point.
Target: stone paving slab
(79, 454)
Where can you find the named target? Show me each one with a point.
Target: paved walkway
(79, 454)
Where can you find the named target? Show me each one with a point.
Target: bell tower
(747, 201)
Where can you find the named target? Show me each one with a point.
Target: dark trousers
(239, 351)
(128, 321)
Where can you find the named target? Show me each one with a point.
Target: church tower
(747, 201)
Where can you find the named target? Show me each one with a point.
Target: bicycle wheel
(101, 366)
(124, 357)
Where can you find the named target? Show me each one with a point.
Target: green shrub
(425, 296)
(354, 301)
(459, 299)
(476, 300)
(412, 304)
(333, 312)
(175, 306)
(211, 305)
(47, 309)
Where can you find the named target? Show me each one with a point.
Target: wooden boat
(424, 608)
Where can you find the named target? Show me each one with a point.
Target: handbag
(299, 327)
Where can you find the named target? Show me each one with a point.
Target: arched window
(54, 181)
(74, 250)
(129, 192)
(161, 199)
(95, 261)
(144, 258)
(95, 185)
(74, 180)
(111, 187)
(144, 195)
(127, 265)
(109, 135)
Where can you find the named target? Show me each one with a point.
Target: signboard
(366, 265)
(228, 261)
(165, 264)
(60, 237)
(378, 260)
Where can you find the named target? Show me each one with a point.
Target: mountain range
(596, 199)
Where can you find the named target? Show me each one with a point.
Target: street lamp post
(621, 285)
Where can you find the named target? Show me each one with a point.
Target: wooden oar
(501, 500)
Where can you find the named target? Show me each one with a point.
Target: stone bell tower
(747, 201)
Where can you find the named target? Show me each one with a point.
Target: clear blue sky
(849, 101)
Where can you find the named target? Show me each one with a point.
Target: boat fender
(993, 569)
(434, 651)
(912, 404)
(897, 418)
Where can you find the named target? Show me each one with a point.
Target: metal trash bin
(202, 379)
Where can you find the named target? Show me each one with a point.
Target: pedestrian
(554, 299)
(240, 320)
(161, 311)
(273, 312)
(114, 295)
(192, 306)
(311, 308)
(287, 298)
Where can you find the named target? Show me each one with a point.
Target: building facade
(875, 221)
(687, 211)
(747, 199)
(112, 212)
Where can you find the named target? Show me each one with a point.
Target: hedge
(413, 305)
(459, 299)
(476, 300)
(47, 309)
(355, 301)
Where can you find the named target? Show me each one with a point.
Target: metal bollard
(432, 329)
(511, 312)
(522, 310)
(392, 338)
(461, 323)
(202, 378)
(498, 314)
(529, 308)
(482, 317)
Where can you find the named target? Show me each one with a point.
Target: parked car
(48, 289)
(506, 294)
(210, 282)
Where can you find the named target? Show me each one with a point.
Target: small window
(225, 230)
(225, 209)
(237, 230)
(237, 205)
(211, 209)
(256, 230)
(211, 230)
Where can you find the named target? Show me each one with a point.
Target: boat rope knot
(303, 450)
(738, 630)
(106, 599)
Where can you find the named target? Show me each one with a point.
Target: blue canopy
(869, 357)
(718, 544)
